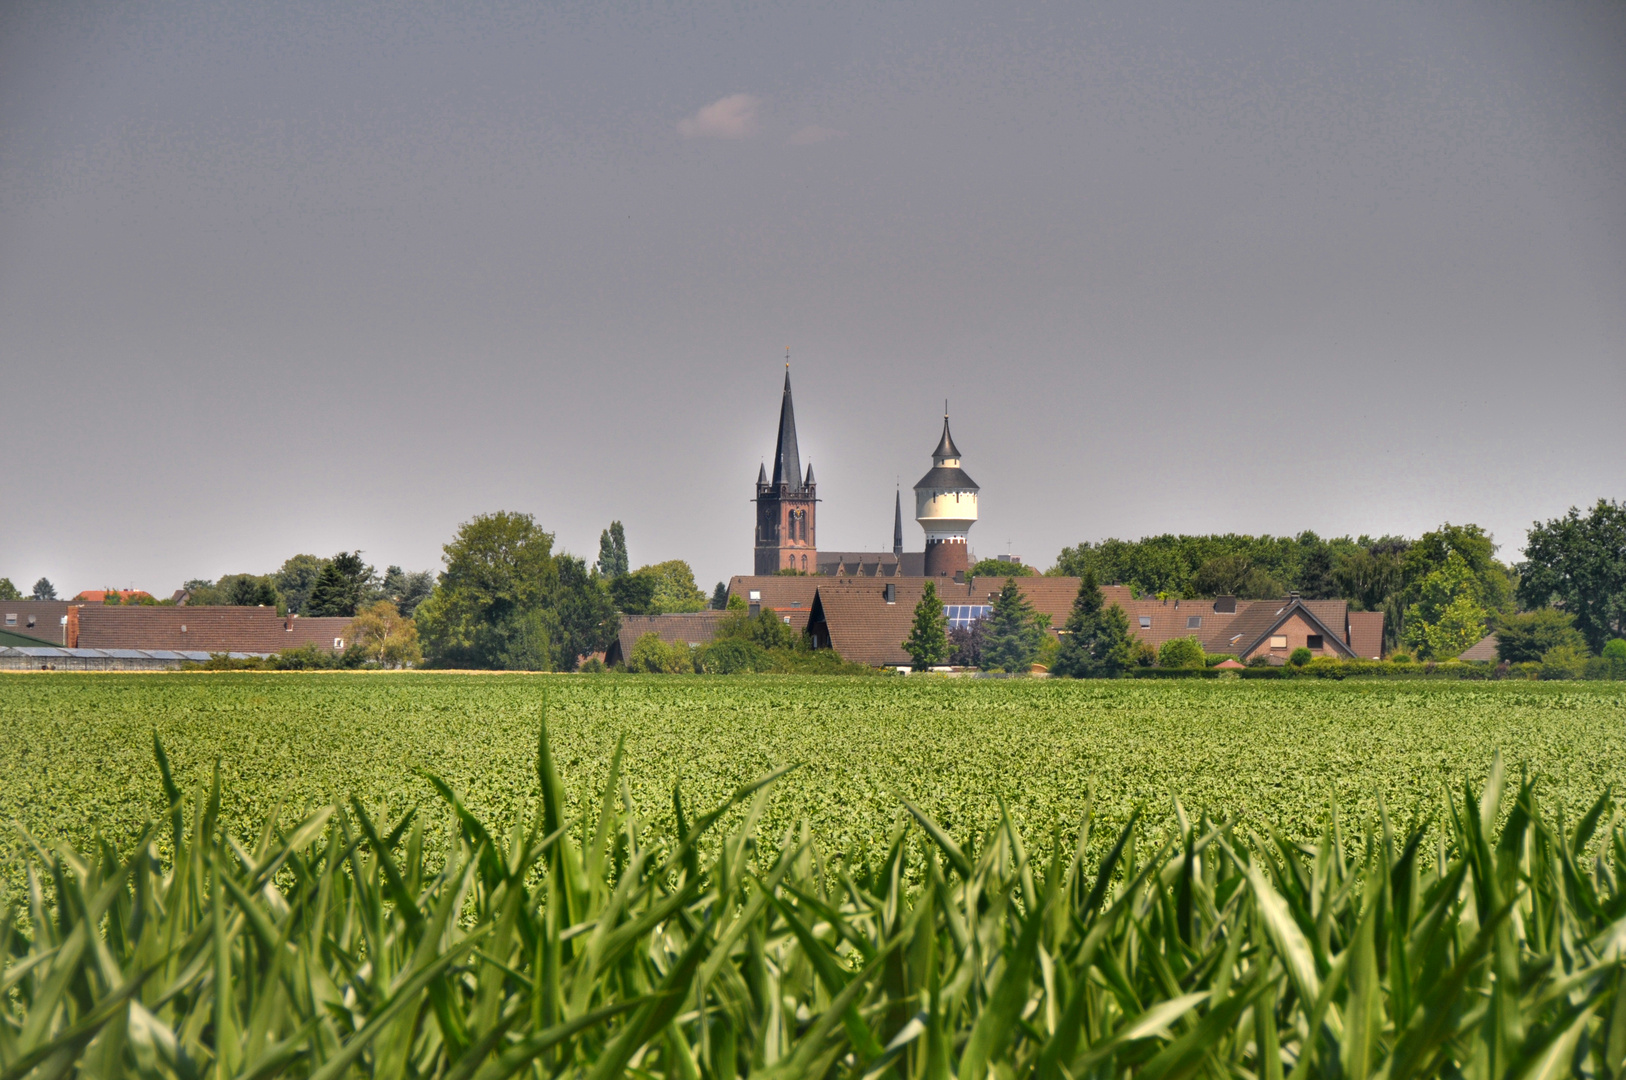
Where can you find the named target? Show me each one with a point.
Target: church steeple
(897, 525)
(787, 460)
(785, 535)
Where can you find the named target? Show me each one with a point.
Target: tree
(247, 590)
(634, 594)
(1095, 641)
(587, 621)
(342, 586)
(928, 643)
(1181, 652)
(1524, 638)
(111, 598)
(8, 591)
(1368, 577)
(612, 552)
(44, 590)
(1234, 575)
(966, 643)
(296, 579)
(675, 589)
(406, 590)
(381, 635)
(490, 608)
(997, 568)
(1475, 547)
(1579, 563)
(719, 597)
(1447, 617)
(1014, 634)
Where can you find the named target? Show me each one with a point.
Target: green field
(76, 749)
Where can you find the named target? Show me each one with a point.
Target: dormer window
(1145, 622)
(891, 592)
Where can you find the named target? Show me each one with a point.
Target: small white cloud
(815, 133)
(733, 117)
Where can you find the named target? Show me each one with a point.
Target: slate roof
(945, 445)
(787, 460)
(872, 564)
(945, 476)
(1483, 649)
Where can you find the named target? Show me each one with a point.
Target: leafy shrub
(592, 666)
(1526, 637)
(1614, 650)
(732, 656)
(1300, 656)
(1182, 652)
(1214, 658)
(1563, 662)
(651, 654)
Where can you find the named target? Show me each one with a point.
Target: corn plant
(1489, 945)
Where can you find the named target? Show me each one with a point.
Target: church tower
(946, 507)
(785, 504)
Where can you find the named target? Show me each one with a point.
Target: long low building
(201, 629)
(52, 658)
(867, 620)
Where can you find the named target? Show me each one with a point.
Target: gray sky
(291, 276)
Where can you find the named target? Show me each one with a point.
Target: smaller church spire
(762, 475)
(897, 524)
(809, 481)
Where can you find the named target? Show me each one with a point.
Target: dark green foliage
(1234, 575)
(1524, 638)
(494, 604)
(1580, 563)
(612, 552)
(295, 580)
(719, 597)
(1095, 642)
(966, 644)
(341, 587)
(1014, 633)
(1203, 951)
(586, 621)
(8, 591)
(1300, 656)
(247, 590)
(43, 590)
(732, 656)
(928, 637)
(634, 594)
(406, 590)
(997, 569)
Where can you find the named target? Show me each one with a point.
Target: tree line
(1440, 592)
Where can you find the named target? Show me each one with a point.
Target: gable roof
(852, 616)
(1262, 617)
(1483, 649)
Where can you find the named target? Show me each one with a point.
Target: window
(961, 616)
(756, 594)
(891, 592)
(1313, 641)
(1145, 622)
(1278, 641)
(785, 619)
(1194, 622)
(11, 618)
(338, 643)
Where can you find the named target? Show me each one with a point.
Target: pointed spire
(897, 525)
(945, 446)
(787, 460)
(762, 475)
(809, 481)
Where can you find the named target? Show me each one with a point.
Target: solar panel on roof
(125, 654)
(43, 653)
(162, 654)
(86, 654)
(194, 655)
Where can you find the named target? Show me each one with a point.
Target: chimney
(70, 629)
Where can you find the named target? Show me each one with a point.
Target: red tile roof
(99, 596)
